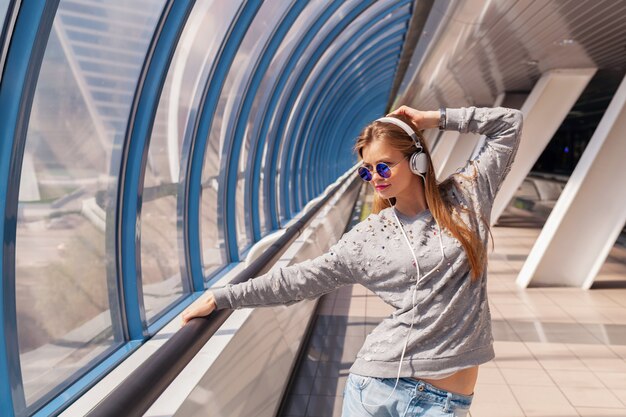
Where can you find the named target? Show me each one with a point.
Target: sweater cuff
(222, 297)
(455, 119)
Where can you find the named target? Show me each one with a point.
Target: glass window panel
(330, 58)
(256, 38)
(4, 6)
(285, 141)
(311, 12)
(162, 247)
(191, 66)
(67, 308)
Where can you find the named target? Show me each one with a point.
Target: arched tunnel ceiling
(482, 48)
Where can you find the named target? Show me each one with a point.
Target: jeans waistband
(423, 386)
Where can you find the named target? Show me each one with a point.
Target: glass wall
(226, 116)
(162, 247)
(253, 138)
(195, 61)
(71, 313)
(67, 305)
(4, 6)
(285, 110)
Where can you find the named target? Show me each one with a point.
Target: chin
(385, 194)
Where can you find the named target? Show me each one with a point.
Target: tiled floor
(559, 351)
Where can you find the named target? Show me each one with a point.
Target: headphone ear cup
(419, 163)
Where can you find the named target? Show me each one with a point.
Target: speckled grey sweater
(452, 329)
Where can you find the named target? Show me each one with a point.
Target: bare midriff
(462, 382)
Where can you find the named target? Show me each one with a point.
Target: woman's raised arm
(502, 128)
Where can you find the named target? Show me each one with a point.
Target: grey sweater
(452, 328)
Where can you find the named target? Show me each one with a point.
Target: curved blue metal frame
(270, 110)
(255, 154)
(341, 115)
(335, 120)
(348, 54)
(233, 147)
(293, 129)
(284, 194)
(23, 62)
(133, 166)
(359, 121)
(313, 154)
(327, 101)
(212, 92)
(188, 204)
(383, 87)
(328, 85)
(338, 120)
(17, 89)
(333, 108)
(6, 28)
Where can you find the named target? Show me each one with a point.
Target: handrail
(135, 395)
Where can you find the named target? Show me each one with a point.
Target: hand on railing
(203, 306)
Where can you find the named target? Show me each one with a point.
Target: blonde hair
(445, 212)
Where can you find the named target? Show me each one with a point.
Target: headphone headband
(404, 127)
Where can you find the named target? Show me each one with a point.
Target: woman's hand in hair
(203, 306)
(421, 119)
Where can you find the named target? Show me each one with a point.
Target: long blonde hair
(445, 212)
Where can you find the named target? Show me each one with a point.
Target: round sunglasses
(383, 169)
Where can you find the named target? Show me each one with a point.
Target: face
(401, 179)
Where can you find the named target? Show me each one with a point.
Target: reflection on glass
(282, 172)
(67, 307)
(332, 65)
(208, 33)
(259, 107)
(241, 70)
(4, 6)
(162, 247)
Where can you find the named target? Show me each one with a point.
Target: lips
(381, 187)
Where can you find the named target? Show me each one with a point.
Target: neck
(413, 201)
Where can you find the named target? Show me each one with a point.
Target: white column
(468, 145)
(443, 150)
(590, 213)
(459, 154)
(430, 136)
(29, 185)
(544, 110)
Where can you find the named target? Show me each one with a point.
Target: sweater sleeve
(287, 285)
(502, 128)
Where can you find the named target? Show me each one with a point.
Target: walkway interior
(559, 351)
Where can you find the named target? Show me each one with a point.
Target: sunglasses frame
(367, 175)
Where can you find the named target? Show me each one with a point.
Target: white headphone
(419, 161)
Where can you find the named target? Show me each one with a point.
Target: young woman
(423, 250)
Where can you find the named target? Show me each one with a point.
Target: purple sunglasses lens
(383, 170)
(365, 174)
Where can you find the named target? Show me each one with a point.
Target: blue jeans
(415, 398)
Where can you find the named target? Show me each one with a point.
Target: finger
(397, 111)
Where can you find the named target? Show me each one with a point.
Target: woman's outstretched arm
(285, 285)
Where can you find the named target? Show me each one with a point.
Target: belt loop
(447, 407)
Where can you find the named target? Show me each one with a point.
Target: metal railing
(135, 395)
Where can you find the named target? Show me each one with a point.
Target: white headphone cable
(413, 298)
